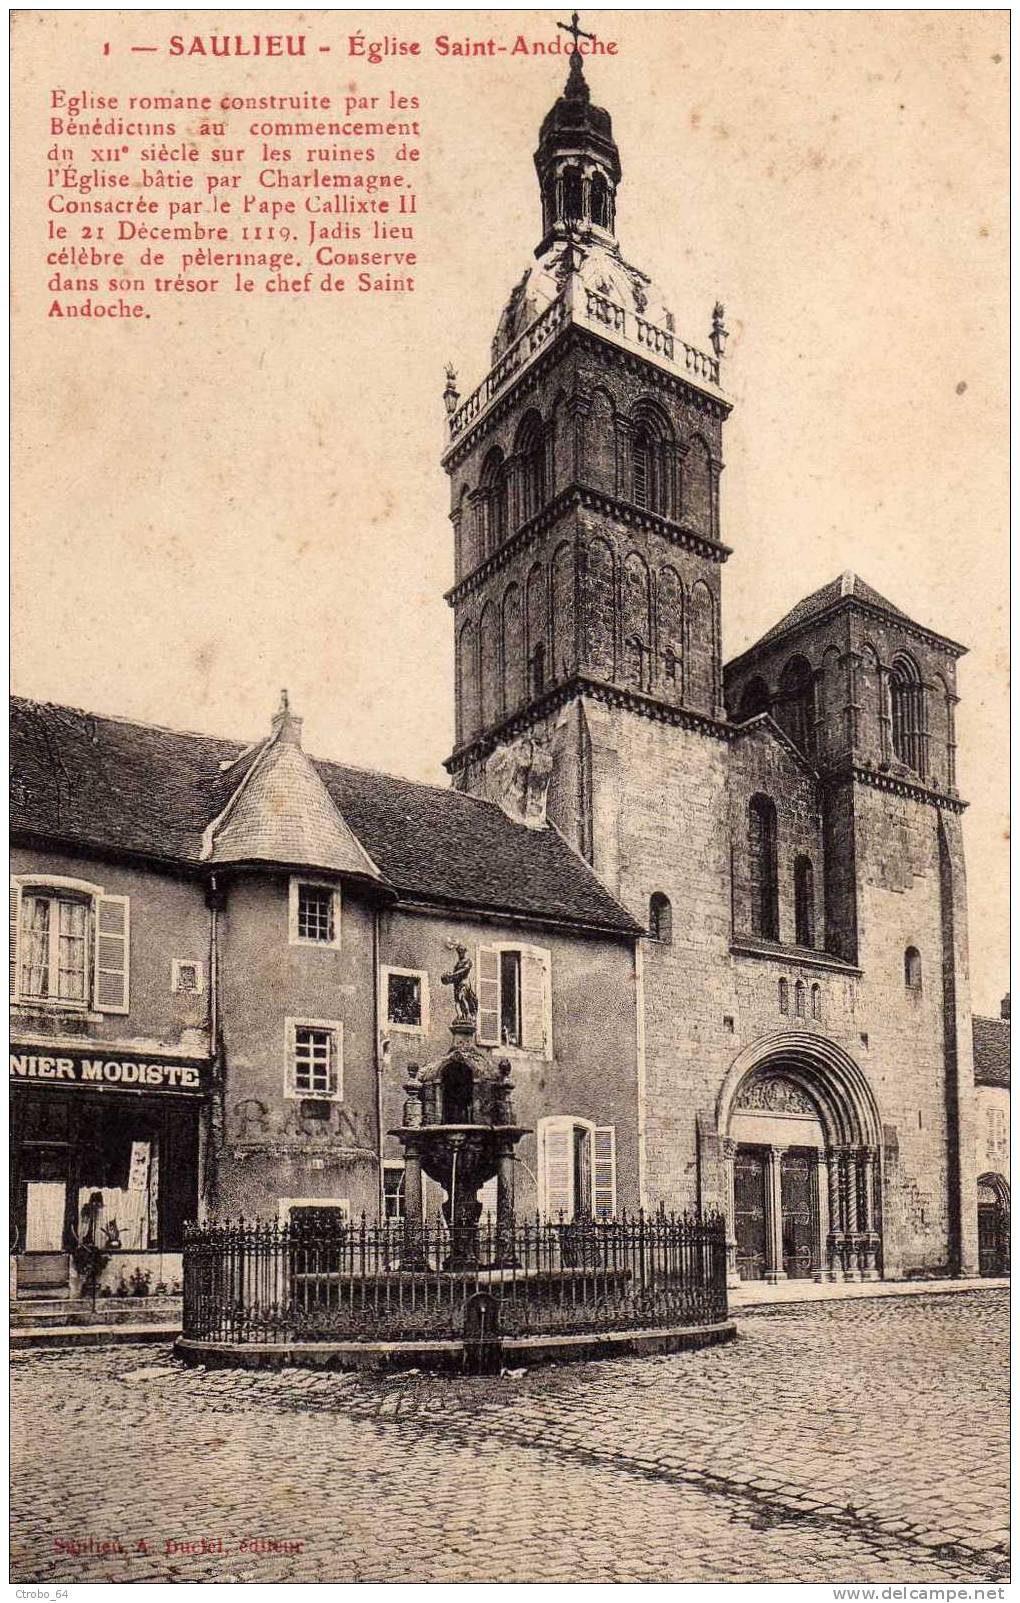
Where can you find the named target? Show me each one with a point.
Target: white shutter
(15, 929)
(488, 995)
(536, 1000)
(604, 1171)
(112, 945)
(556, 1168)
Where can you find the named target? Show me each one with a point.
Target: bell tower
(584, 474)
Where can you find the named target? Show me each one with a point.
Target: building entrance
(776, 1212)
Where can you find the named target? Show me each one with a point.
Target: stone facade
(786, 829)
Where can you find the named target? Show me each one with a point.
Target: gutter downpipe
(380, 1059)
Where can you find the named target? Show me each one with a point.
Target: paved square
(862, 1441)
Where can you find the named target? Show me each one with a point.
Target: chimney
(286, 727)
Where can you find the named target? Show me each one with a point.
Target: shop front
(104, 1169)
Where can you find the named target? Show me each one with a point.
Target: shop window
(314, 913)
(69, 945)
(406, 1000)
(186, 977)
(514, 997)
(660, 919)
(577, 1169)
(804, 902)
(912, 969)
(314, 1059)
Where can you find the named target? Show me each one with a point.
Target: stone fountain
(459, 1130)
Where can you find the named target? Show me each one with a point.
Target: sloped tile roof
(281, 812)
(113, 785)
(849, 586)
(991, 1051)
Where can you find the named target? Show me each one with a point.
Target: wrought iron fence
(248, 1281)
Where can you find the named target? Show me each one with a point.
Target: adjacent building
(716, 914)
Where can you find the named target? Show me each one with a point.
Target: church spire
(577, 161)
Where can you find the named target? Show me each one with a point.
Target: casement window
(69, 945)
(315, 1059)
(395, 1192)
(314, 913)
(405, 1000)
(576, 1169)
(186, 977)
(515, 997)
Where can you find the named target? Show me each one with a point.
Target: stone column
(834, 1244)
(774, 1215)
(822, 1184)
(851, 1242)
(869, 1267)
(729, 1151)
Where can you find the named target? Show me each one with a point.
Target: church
(714, 915)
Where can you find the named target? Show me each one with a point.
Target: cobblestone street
(860, 1441)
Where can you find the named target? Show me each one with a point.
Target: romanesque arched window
(912, 969)
(798, 998)
(651, 479)
(660, 918)
(784, 996)
(796, 709)
(763, 875)
(494, 501)
(816, 1002)
(906, 710)
(530, 446)
(804, 902)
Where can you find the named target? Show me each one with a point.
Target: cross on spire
(573, 27)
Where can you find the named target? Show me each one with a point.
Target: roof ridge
(246, 747)
(134, 723)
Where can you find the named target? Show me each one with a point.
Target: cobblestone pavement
(833, 1442)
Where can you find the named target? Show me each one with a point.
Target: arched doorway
(801, 1142)
(993, 1225)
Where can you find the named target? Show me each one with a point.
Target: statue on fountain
(464, 996)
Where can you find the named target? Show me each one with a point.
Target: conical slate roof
(281, 812)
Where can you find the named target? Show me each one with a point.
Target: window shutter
(488, 995)
(536, 1024)
(556, 1168)
(604, 1171)
(112, 942)
(15, 927)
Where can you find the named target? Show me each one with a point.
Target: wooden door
(798, 1175)
(749, 1211)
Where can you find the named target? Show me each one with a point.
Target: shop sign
(79, 1068)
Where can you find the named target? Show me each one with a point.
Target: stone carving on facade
(517, 780)
(775, 1095)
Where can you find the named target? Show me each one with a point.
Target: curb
(449, 1355)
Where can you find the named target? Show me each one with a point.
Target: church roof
(115, 786)
(991, 1051)
(848, 588)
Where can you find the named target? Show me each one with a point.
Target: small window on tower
(314, 913)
